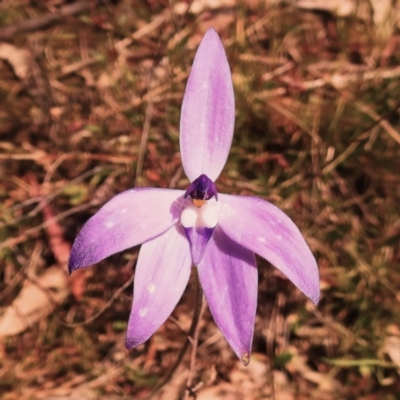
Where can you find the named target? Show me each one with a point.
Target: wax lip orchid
(217, 233)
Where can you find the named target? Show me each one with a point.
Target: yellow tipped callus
(199, 202)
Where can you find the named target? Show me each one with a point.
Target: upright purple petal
(162, 273)
(265, 229)
(228, 276)
(128, 219)
(208, 111)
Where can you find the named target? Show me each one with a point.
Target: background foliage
(90, 96)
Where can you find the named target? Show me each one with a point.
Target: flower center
(202, 211)
(199, 217)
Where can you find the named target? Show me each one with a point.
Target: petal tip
(129, 344)
(211, 32)
(315, 298)
(80, 256)
(313, 292)
(73, 262)
(132, 339)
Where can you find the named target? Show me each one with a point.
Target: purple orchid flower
(217, 233)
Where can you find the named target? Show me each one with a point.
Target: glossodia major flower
(217, 233)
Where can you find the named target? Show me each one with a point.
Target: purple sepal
(198, 238)
(128, 219)
(161, 276)
(202, 188)
(208, 111)
(264, 229)
(228, 276)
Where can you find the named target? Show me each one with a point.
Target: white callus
(205, 216)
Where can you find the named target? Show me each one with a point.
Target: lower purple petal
(128, 219)
(162, 273)
(198, 238)
(266, 230)
(228, 276)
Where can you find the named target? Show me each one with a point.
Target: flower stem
(192, 337)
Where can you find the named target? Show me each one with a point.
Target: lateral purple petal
(265, 229)
(208, 111)
(228, 276)
(162, 273)
(128, 219)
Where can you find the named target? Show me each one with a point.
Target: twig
(145, 30)
(39, 156)
(176, 178)
(45, 20)
(58, 245)
(292, 117)
(174, 18)
(278, 71)
(143, 141)
(11, 242)
(43, 200)
(116, 294)
(383, 123)
(331, 166)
